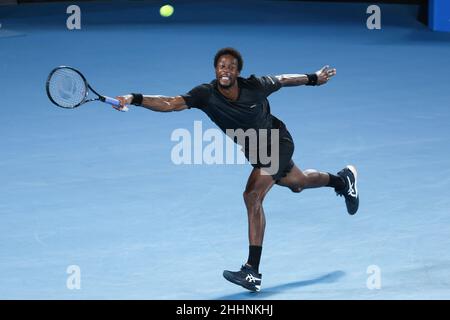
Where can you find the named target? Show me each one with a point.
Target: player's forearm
(292, 80)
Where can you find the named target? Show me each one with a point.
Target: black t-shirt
(250, 111)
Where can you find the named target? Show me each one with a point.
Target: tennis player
(234, 102)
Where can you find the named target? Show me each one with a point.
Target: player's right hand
(124, 100)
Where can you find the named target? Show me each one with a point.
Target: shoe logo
(251, 278)
(351, 190)
(252, 106)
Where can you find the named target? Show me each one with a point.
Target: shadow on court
(267, 292)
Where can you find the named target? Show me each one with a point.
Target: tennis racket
(68, 88)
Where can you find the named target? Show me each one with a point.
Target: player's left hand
(325, 74)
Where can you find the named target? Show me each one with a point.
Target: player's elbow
(168, 108)
(176, 107)
(173, 104)
(165, 106)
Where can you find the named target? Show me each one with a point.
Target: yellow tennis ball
(166, 11)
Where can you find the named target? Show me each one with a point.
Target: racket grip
(115, 102)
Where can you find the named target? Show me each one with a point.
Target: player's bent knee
(296, 189)
(298, 185)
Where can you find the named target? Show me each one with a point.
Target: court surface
(97, 189)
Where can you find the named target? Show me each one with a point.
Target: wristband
(137, 99)
(312, 79)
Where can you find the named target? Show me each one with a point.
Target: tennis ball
(166, 11)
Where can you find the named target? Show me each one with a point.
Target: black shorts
(285, 152)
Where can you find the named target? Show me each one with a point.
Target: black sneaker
(246, 277)
(350, 192)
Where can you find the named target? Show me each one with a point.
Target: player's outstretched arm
(155, 103)
(318, 78)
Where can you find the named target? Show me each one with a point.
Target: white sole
(353, 170)
(355, 174)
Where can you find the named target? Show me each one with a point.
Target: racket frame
(88, 87)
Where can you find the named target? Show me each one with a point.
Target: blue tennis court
(96, 189)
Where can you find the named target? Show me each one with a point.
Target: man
(233, 102)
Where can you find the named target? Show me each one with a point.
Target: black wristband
(137, 99)
(312, 79)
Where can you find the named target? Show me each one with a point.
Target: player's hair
(231, 51)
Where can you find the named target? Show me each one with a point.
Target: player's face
(227, 71)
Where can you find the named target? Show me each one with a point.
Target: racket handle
(114, 102)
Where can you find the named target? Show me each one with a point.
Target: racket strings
(67, 88)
